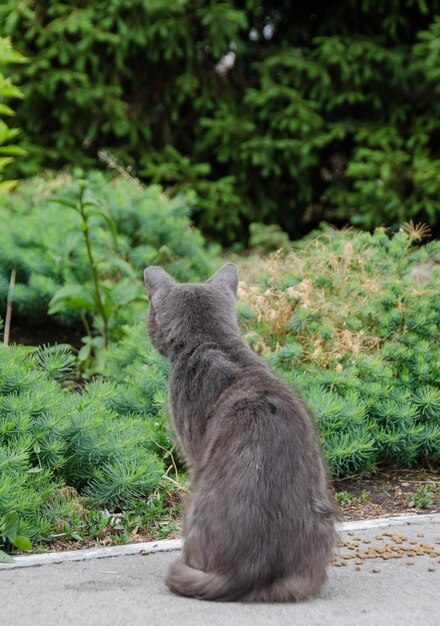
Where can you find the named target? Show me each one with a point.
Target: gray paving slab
(129, 590)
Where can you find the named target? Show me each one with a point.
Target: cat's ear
(155, 278)
(226, 275)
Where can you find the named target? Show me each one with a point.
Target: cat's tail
(194, 583)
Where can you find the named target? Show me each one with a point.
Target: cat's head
(182, 314)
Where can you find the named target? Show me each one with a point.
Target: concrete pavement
(385, 575)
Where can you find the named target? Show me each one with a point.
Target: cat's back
(256, 394)
(259, 416)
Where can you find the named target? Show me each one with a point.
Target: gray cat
(260, 526)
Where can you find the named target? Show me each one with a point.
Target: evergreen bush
(270, 111)
(141, 376)
(55, 442)
(130, 227)
(353, 321)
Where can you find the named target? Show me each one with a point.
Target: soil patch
(388, 493)
(39, 336)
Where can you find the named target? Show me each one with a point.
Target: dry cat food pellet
(350, 533)
(358, 568)
(394, 549)
(375, 570)
(431, 569)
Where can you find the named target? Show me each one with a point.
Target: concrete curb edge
(170, 545)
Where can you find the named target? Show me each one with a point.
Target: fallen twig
(9, 307)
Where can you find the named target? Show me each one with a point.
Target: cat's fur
(260, 523)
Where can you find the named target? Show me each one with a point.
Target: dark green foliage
(130, 226)
(267, 238)
(7, 90)
(50, 438)
(269, 111)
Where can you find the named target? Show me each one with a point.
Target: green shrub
(130, 226)
(51, 438)
(349, 319)
(271, 112)
(267, 238)
(141, 376)
(352, 320)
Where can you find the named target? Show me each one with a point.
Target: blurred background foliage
(8, 90)
(274, 112)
